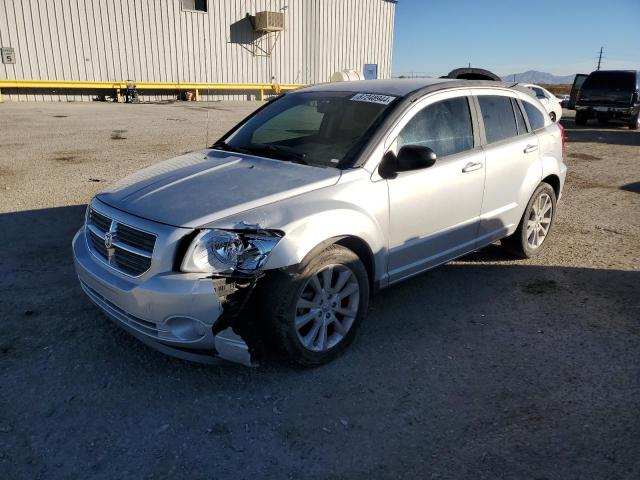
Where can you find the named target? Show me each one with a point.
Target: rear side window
(539, 92)
(445, 127)
(536, 118)
(499, 120)
(520, 123)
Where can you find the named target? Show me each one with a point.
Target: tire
(521, 243)
(297, 296)
(581, 118)
(553, 116)
(634, 123)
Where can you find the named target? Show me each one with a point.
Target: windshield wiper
(228, 148)
(290, 155)
(265, 150)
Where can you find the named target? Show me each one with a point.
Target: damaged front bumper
(185, 315)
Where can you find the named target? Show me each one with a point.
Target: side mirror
(410, 157)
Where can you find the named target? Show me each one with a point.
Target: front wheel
(315, 308)
(534, 228)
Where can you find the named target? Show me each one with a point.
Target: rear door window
(499, 119)
(536, 118)
(445, 127)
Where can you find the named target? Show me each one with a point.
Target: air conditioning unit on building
(266, 22)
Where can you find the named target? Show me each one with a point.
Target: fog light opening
(186, 328)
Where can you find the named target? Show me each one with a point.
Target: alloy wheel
(327, 307)
(539, 220)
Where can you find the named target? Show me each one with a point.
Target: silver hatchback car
(286, 225)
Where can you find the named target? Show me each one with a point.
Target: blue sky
(562, 37)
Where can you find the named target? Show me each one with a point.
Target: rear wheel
(534, 228)
(315, 308)
(634, 123)
(581, 118)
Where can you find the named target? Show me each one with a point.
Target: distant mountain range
(533, 76)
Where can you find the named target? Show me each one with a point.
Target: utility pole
(599, 59)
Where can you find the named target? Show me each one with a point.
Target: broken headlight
(224, 252)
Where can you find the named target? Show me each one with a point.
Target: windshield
(315, 128)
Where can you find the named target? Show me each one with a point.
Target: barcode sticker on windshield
(373, 98)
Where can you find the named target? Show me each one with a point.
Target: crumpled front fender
(304, 235)
(355, 207)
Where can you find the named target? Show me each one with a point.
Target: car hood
(204, 186)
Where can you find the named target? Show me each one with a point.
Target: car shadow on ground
(631, 187)
(490, 253)
(455, 365)
(38, 258)
(615, 133)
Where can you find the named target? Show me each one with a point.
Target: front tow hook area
(232, 347)
(231, 330)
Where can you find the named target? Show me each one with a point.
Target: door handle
(530, 148)
(470, 167)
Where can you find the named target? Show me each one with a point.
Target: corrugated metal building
(190, 41)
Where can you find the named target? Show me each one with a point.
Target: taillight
(561, 133)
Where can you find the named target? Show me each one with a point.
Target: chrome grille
(97, 243)
(99, 220)
(136, 238)
(131, 249)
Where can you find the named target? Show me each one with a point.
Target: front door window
(445, 127)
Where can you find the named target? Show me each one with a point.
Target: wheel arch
(354, 243)
(554, 181)
(361, 248)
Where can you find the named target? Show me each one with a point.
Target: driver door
(435, 212)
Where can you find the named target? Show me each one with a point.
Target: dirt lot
(488, 367)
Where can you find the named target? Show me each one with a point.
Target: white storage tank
(347, 76)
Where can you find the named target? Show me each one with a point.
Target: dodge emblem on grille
(108, 239)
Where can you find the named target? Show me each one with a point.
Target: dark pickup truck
(610, 95)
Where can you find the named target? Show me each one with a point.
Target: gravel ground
(488, 367)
